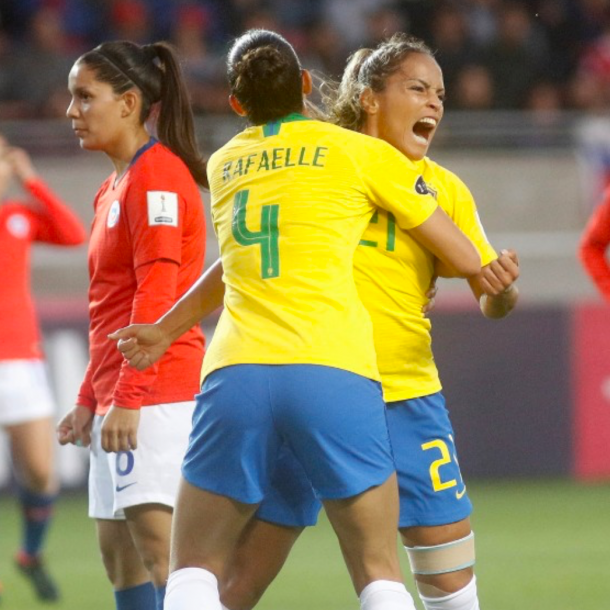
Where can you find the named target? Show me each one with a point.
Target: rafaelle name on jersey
(275, 158)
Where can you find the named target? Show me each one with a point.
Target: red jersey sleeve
(154, 296)
(155, 217)
(60, 225)
(86, 397)
(593, 247)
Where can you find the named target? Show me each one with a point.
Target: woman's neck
(122, 156)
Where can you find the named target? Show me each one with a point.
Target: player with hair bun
(146, 250)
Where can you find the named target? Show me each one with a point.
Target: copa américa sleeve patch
(162, 208)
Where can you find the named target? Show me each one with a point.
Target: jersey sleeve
(593, 246)
(57, 223)
(394, 184)
(154, 296)
(466, 216)
(86, 396)
(155, 215)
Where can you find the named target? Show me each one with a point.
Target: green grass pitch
(541, 545)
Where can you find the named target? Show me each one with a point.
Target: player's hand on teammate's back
(75, 427)
(120, 429)
(500, 274)
(431, 296)
(141, 344)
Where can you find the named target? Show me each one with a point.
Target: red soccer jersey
(146, 250)
(593, 247)
(44, 219)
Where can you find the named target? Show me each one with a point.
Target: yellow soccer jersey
(290, 201)
(393, 273)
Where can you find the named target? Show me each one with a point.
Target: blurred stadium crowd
(496, 54)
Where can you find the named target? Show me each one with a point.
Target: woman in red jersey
(594, 245)
(26, 403)
(146, 249)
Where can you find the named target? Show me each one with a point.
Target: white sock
(464, 599)
(386, 595)
(192, 589)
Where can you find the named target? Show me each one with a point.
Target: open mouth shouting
(424, 130)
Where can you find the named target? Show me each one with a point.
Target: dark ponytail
(154, 69)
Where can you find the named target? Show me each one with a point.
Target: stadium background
(529, 396)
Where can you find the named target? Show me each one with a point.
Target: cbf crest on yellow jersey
(290, 201)
(393, 273)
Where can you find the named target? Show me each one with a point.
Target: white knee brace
(442, 558)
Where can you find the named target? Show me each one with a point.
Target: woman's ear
(368, 100)
(307, 82)
(131, 103)
(236, 106)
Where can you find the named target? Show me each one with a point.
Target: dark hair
(154, 69)
(368, 68)
(265, 76)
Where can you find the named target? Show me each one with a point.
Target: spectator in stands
(384, 20)
(85, 22)
(591, 19)
(544, 98)
(473, 89)
(9, 108)
(38, 67)
(588, 93)
(131, 20)
(594, 65)
(349, 19)
(323, 50)
(482, 17)
(520, 38)
(455, 48)
(204, 70)
(517, 57)
(559, 20)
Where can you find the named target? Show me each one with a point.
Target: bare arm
(60, 225)
(494, 287)
(203, 298)
(441, 236)
(143, 344)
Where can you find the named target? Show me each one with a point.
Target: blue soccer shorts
(332, 420)
(290, 500)
(432, 491)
